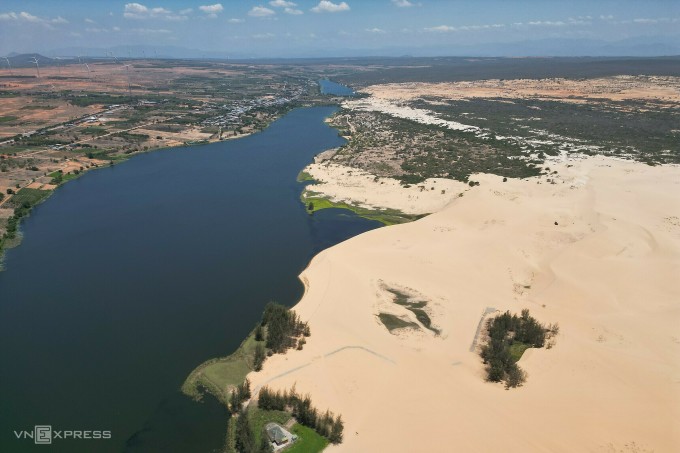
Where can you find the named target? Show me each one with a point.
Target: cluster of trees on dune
(326, 424)
(508, 336)
(279, 330)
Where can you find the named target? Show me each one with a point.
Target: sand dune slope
(608, 273)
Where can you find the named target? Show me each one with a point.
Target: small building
(277, 434)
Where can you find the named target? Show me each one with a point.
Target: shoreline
(15, 242)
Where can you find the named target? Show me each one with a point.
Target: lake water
(335, 89)
(130, 276)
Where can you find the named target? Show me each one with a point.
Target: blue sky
(312, 27)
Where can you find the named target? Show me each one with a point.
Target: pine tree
(260, 356)
(336, 431)
(245, 438)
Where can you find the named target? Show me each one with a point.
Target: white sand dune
(608, 273)
(341, 183)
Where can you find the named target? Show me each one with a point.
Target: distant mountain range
(558, 47)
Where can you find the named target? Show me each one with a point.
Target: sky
(282, 28)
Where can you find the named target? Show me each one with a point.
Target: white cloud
(261, 11)
(645, 21)
(116, 29)
(23, 16)
(152, 31)
(264, 36)
(282, 4)
(89, 21)
(212, 9)
(441, 29)
(326, 6)
(293, 11)
(135, 8)
(235, 20)
(547, 23)
(403, 3)
(139, 11)
(608, 17)
(186, 11)
(375, 30)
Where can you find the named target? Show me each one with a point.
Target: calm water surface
(130, 276)
(335, 89)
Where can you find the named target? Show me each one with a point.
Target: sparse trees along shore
(279, 330)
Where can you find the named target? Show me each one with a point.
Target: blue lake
(335, 89)
(130, 276)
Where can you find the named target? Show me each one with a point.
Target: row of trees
(326, 424)
(240, 394)
(504, 331)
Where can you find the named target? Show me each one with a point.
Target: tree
(310, 206)
(234, 402)
(265, 446)
(516, 376)
(336, 431)
(245, 438)
(259, 333)
(260, 356)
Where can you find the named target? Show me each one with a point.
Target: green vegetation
(58, 177)
(326, 424)
(508, 337)
(98, 98)
(279, 330)
(23, 202)
(393, 322)
(219, 376)
(28, 198)
(415, 306)
(303, 176)
(8, 119)
(283, 327)
(259, 417)
(640, 129)
(309, 441)
(246, 432)
(412, 152)
(94, 130)
(38, 107)
(384, 216)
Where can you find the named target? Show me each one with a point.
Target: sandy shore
(341, 183)
(598, 253)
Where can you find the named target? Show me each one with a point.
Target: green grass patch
(393, 322)
(93, 130)
(30, 196)
(219, 376)
(384, 216)
(258, 418)
(517, 348)
(7, 119)
(414, 306)
(303, 176)
(309, 441)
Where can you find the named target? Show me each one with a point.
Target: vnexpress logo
(44, 434)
